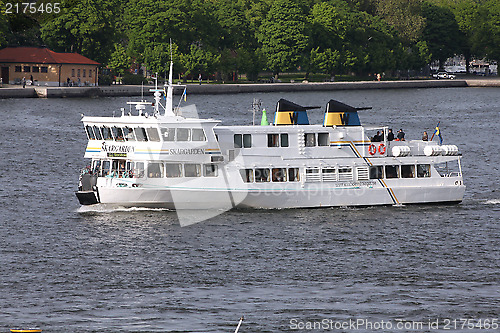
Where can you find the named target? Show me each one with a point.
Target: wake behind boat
(154, 157)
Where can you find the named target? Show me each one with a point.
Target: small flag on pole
(184, 94)
(438, 133)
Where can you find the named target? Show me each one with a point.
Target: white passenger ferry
(154, 157)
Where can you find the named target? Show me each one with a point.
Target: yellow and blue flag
(438, 133)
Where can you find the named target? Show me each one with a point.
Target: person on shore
(425, 137)
(401, 135)
(68, 82)
(390, 135)
(24, 82)
(31, 79)
(199, 78)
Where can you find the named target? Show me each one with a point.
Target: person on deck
(425, 137)
(390, 135)
(401, 135)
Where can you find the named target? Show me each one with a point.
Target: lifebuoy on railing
(372, 149)
(381, 149)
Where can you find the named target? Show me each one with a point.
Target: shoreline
(129, 90)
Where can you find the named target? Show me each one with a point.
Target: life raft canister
(372, 149)
(381, 149)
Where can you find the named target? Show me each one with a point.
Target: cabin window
(139, 170)
(247, 175)
(210, 170)
(44, 69)
(106, 133)
(423, 170)
(35, 69)
(310, 139)
(17, 69)
(105, 168)
(118, 168)
(329, 174)
(279, 175)
(217, 158)
(96, 167)
(168, 134)
(392, 171)
(238, 141)
(153, 134)
(140, 134)
(90, 132)
(293, 174)
(363, 173)
(377, 172)
(27, 69)
(129, 170)
(128, 134)
(323, 139)
(407, 171)
(97, 133)
(183, 134)
(117, 133)
(173, 170)
(247, 140)
(155, 170)
(261, 175)
(192, 170)
(345, 173)
(198, 135)
(312, 175)
(273, 140)
(284, 139)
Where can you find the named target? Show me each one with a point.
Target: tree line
(250, 36)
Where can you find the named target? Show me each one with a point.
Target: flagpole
(439, 122)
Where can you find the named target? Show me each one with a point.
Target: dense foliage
(229, 37)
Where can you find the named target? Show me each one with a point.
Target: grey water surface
(68, 269)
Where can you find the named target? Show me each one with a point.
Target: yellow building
(46, 68)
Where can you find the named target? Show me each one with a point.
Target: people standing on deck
(376, 137)
(401, 135)
(425, 137)
(390, 135)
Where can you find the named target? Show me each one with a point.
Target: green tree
(486, 37)
(119, 61)
(404, 16)
(86, 27)
(199, 61)
(283, 36)
(441, 32)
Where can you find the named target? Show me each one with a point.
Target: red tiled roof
(41, 55)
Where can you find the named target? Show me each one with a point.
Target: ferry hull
(189, 199)
(87, 197)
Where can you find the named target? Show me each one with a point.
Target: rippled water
(66, 268)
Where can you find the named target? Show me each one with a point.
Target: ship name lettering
(117, 148)
(193, 151)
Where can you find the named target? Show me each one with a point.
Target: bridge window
(392, 171)
(279, 175)
(407, 171)
(198, 135)
(153, 134)
(168, 134)
(173, 170)
(183, 134)
(97, 133)
(284, 139)
(247, 175)
(293, 174)
(192, 170)
(117, 133)
(261, 175)
(238, 141)
(423, 170)
(310, 139)
(129, 134)
(273, 140)
(376, 172)
(90, 132)
(106, 133)
(323, 139)
(210, 170)
(247, 140)
(140, 134)
(155, 170)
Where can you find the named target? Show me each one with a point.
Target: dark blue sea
(68, 269)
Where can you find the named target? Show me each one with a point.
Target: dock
(210, 89)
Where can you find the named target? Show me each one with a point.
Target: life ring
(381, 149)
(372, 149)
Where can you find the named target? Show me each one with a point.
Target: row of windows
(400, 171)
(281, 140)
(128, 169)
(144, 134)
(34, 69)
(263, 175)
(84, 71)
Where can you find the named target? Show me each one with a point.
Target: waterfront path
(126, 90)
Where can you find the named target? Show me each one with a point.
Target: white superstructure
(153, 157)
